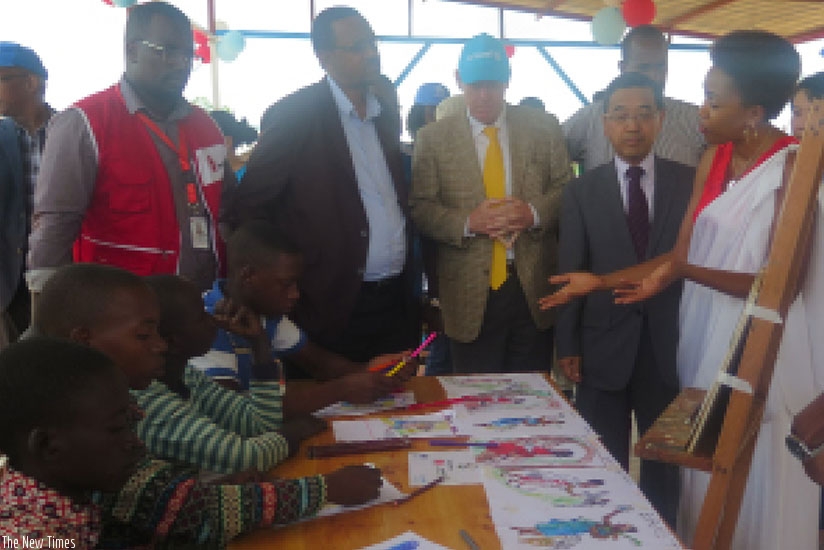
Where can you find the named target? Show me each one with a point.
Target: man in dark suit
(614, 216)
(328, 173)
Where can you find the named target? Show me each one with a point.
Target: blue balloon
(124, 3)
(229, 45)
(608, 26)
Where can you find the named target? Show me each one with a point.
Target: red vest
(131, 221)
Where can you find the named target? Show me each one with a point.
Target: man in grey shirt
(133, 176)
(643, 50)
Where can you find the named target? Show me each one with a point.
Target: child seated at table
(191, 418)
(263, 273)
(66, 431)
(116, 312)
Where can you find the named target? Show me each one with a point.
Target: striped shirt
(678, 140)
(216, 429)
(163, 506)
(31, 151)
(231, 356)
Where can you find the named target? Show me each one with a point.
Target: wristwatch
(800, 450)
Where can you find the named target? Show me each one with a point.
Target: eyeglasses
(9, 77)
(623, 118)
(170, 54)
(360, 47)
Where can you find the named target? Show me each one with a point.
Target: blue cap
(431, 94)
(15, 55)
(483, 58)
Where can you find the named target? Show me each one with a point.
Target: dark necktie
(637, 212)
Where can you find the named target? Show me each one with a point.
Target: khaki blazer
(447, 184)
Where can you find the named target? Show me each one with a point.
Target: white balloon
(229, 45)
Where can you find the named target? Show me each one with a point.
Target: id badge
(199, 229)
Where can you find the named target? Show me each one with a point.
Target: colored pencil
(419, 490)
(469, 540)
(414, 354)
(457, 443)
(358, 447)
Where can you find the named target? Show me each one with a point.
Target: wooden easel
(730, 462)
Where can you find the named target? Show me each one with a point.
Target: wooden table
(437, 514)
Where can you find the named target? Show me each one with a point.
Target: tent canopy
(796, 20)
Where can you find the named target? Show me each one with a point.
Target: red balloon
(510, 50)
(638, 12)
(109, 2)
(202, 50)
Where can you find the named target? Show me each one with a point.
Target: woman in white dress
(724, 240)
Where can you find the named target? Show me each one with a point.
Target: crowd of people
(165, 291)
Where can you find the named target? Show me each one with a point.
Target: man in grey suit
(486, 186)
(614, 216)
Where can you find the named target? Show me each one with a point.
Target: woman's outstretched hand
(631, 292)
(576, 284)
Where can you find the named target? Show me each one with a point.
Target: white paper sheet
(457, 467)
(531, 383)
(486, 424)
(584, 509)
(391, 401)
(406, 541)
(544, 450)
(437, 424)
(388, 493)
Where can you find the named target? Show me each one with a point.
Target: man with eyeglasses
(133, 176)
(327, 172)
(22, 137)
(615, 216)
(643, 50)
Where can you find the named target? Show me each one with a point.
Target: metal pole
(411, 65)
(214, 62)
(568, 81)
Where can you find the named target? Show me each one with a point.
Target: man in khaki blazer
(493, 330)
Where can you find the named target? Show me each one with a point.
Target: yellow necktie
(495, 189)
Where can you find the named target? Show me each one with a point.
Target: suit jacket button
(364, 233)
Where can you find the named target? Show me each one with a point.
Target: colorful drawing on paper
(559, 487)
(499, 384)
(457, 468)
(389, 402)
(492, 424)
(542, 450)
(428, 425)
(568, 533)
(580, 508)
(511, 402)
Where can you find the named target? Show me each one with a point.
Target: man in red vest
(133, 176)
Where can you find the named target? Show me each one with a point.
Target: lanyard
(182, 153)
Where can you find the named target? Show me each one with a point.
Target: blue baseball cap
(430, 94)
(15, 55)
(483, 58)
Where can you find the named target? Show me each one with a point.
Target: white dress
(780, 508)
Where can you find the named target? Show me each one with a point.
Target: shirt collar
(134, 103)
(477, 126)
(26, 495)
(647, 164)
(41, 131)
(345, 106)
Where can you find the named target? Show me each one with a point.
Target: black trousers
(382, 321)
(509, 341)
(609, 414)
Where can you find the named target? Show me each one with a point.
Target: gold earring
(746, 133)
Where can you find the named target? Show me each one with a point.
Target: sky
(80, 42)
